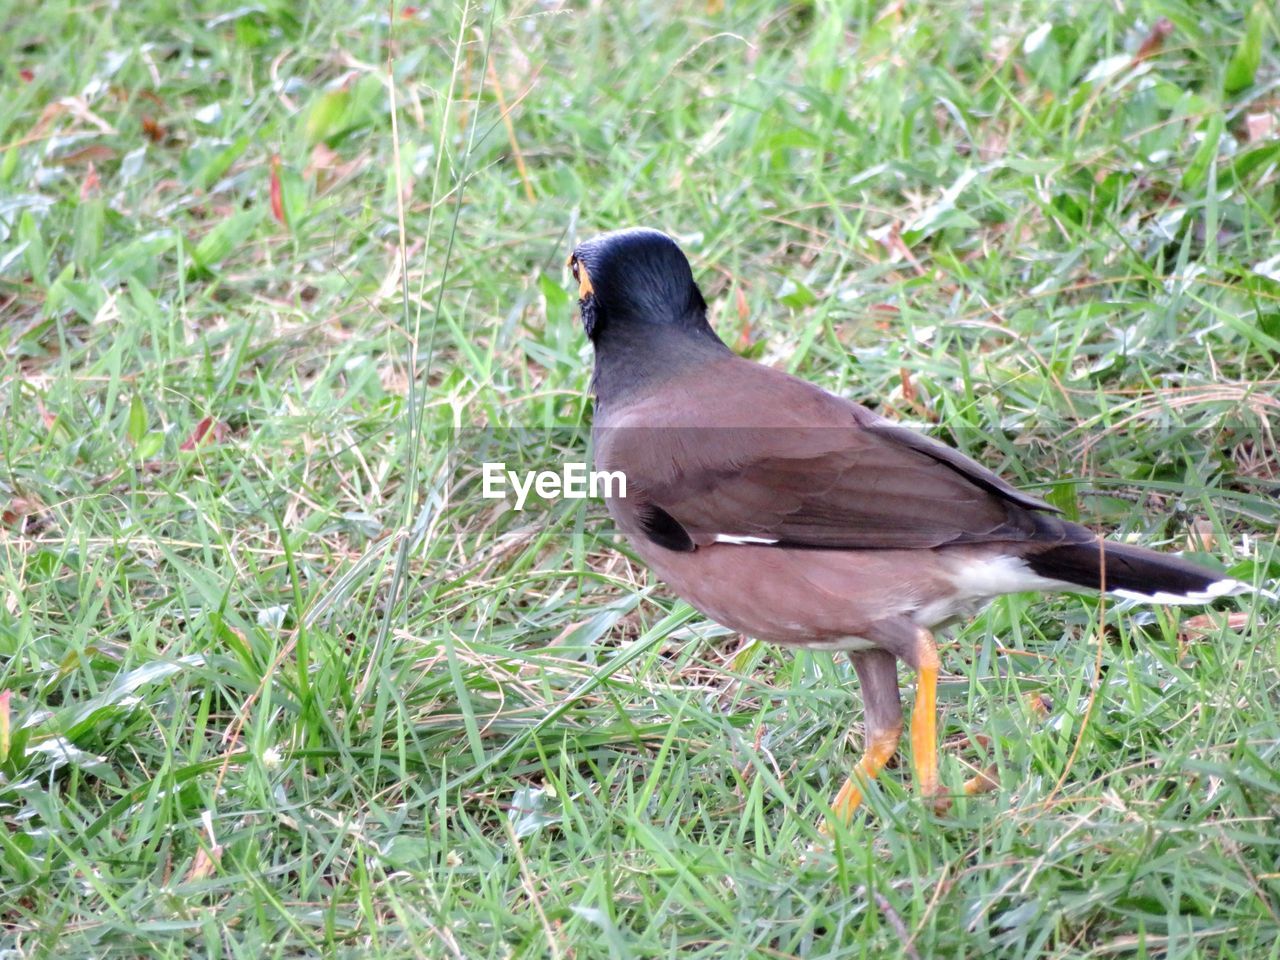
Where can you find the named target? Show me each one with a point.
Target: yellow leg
(879, 752)
(924, 719)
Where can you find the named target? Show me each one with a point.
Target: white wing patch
(844, 644)
(727, 538)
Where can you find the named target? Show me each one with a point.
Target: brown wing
(811, 470)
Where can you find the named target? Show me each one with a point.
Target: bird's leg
(914, 646)
(924, 715)
(882, 717)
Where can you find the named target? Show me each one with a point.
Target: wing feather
(799, 467)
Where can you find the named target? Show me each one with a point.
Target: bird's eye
(573, 265)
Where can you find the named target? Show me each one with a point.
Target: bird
(796, 516)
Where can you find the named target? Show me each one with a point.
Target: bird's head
(632, 277)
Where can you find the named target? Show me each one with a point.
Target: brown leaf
(203, 864)
(1259, 126)
(566, 632)
(883, 312)
(208, 857)
(1205, 623)
(47, 418)
(1154, 40)
(155, 133)
(85, 155)
(322, 158)
(1200, 538)
(891, 240)
(43, 124)
(206, 431)
(90, 184)
(908, 388)
(27, 516)
(326, 167)
(277, 192)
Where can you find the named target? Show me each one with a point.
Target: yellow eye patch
(580, 274)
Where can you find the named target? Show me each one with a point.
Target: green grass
(269, 695)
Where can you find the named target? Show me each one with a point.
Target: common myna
(795, 516)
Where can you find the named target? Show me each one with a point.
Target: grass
(275, 684)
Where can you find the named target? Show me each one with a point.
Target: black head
(631, 277)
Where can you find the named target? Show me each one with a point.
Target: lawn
(274, 280)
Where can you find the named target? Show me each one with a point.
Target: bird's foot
(884, 744)
(987, 780)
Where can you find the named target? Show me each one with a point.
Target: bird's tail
(1135, 573)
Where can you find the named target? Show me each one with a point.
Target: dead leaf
(90, 184)
(206, 858)
(1153, 42)
(47, 418)
(79, 108)
(567, 632)
(326, 167)
(27, 516)
(207, 431)
(908, 388)
(322, 158)
(203, 864)
(1206, 623)
(277, 192)
(1259, 126)
(85, 155)
(890, 237)
(1200, 538)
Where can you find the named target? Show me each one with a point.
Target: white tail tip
(1219, 588)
